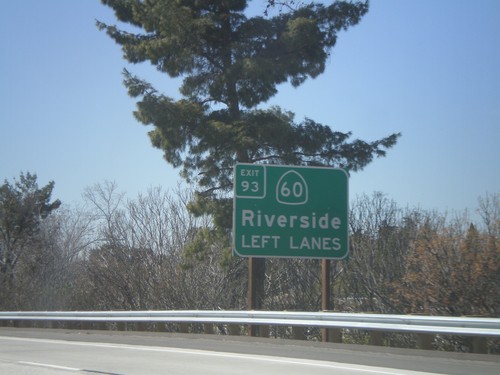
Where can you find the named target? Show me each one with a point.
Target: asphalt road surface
(60, 352)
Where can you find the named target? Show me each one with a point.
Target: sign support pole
(256, 275)
(325, 292)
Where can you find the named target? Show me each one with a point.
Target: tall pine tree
(23, 206)
(230, 64)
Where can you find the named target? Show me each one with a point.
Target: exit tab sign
(290, 211)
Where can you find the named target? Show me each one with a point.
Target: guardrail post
(424, 341)
(161, 327)
(335, 335)
(376, 338)
(256, 330)
(183, 327)
(234, 329)
(298, 333)
(479, 345)
(208, 328)
(264, 331)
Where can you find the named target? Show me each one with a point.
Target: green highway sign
(290, 211)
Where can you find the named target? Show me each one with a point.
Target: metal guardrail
(484, 327)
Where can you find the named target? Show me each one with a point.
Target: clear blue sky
(428, 68)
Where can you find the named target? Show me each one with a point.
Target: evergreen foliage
(23, 206)
(230, 64)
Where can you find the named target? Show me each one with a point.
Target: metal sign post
(325, 293)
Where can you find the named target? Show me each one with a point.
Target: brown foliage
(449, 273)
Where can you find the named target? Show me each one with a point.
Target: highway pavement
(59, 352)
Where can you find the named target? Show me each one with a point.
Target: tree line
(152, 253)
(147, 253)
